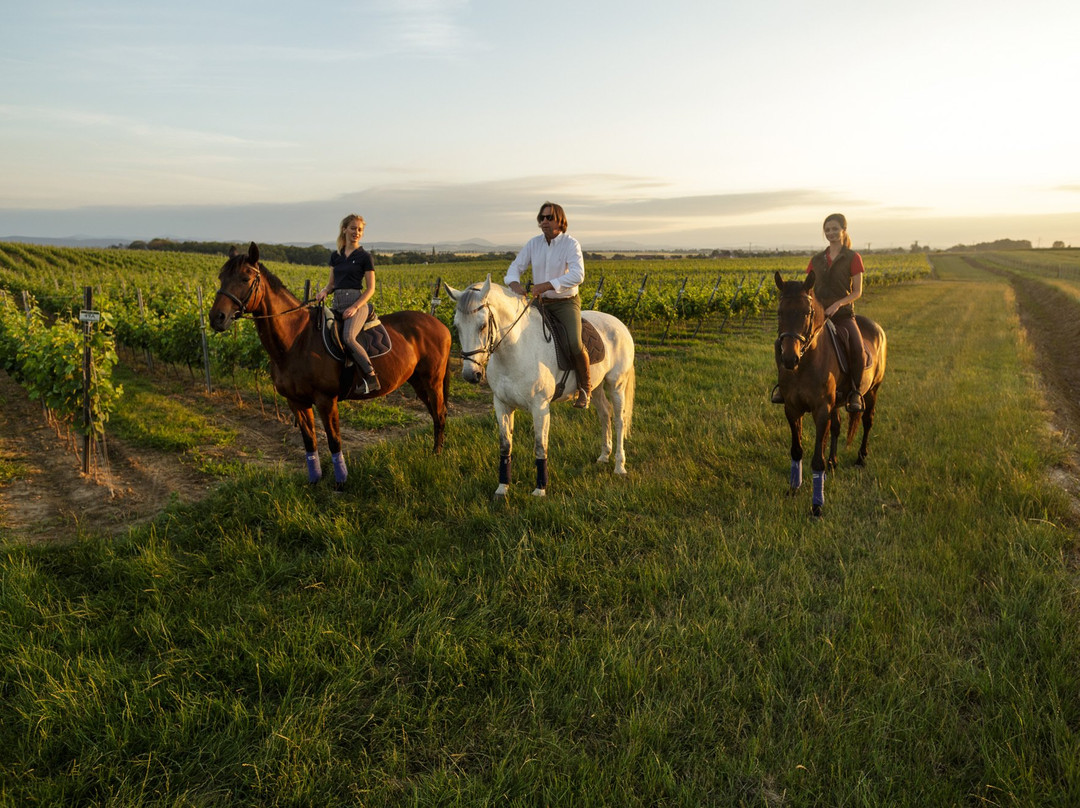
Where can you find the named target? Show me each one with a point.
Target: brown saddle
(590, 338)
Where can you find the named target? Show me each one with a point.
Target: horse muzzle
(472, 373)
(221, 320)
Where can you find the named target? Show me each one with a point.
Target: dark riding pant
(845, 318)
(568, 312)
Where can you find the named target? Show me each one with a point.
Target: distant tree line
(1000, 244)
(314, 255)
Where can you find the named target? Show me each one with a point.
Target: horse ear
(779, 280)
(486, 288)
(253, 254)
(232, 252)
(808, 284)
(451, 291)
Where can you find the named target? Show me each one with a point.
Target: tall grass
(685, 636)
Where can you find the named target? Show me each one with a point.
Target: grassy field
(686, 636)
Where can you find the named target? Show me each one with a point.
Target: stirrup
(775, 396)
(582, 400)
(855, 403)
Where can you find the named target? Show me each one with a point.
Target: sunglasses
(546, 217)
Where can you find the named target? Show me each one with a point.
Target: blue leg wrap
(796, 474)
(504, 470)
(541, 473)
(340, 472)
(314, 470)
(819, 488)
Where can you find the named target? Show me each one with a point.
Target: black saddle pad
(374, 339)
(590, 338)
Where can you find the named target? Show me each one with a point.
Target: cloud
(122, 126)
(425, 27)
(502, 212)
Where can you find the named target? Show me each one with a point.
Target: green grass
(685, 636)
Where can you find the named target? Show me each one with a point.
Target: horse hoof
(861, 462)
(539, 492)
(339, 488)
(815, 511)
(620, 470)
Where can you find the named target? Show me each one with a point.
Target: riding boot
(856, 365)
(581, 368)
(365, 380)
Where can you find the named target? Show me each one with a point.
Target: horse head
(475, 325)
(799, 315)
(239, 284)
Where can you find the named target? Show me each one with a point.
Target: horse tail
(446, 381)
(853, 427)
(628, 400)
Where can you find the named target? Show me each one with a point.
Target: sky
(683, 124)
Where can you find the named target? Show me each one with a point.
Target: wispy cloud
(426, 27)
(133, 128)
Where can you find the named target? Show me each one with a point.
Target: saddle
(590, 338)
(373, 338)
(839, 340)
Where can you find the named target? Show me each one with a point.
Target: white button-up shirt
(559, 263)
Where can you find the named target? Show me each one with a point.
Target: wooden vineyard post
(205, 343)
(87, 317)
(599, 293)
(637, 300)
(435, 299)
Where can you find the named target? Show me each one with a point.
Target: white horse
(502, 335)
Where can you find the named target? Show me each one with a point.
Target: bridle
(492, 342)
(243, 304)
(806, 336)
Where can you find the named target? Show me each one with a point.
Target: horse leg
(328, 411)
(834, 437)
(603, 411)
(433, 390)
(505, 416)
(869, 401)
(795, 478)
(622, 397)
(541, 413)
(817, 464)
(305, 418)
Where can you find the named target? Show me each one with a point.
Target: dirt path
(48, 498)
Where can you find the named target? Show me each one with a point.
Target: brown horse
(811, 380)
(305, 373)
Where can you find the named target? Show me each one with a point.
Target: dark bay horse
(812, 381)
(307, 375)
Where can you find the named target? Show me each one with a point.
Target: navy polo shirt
(349, 271)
